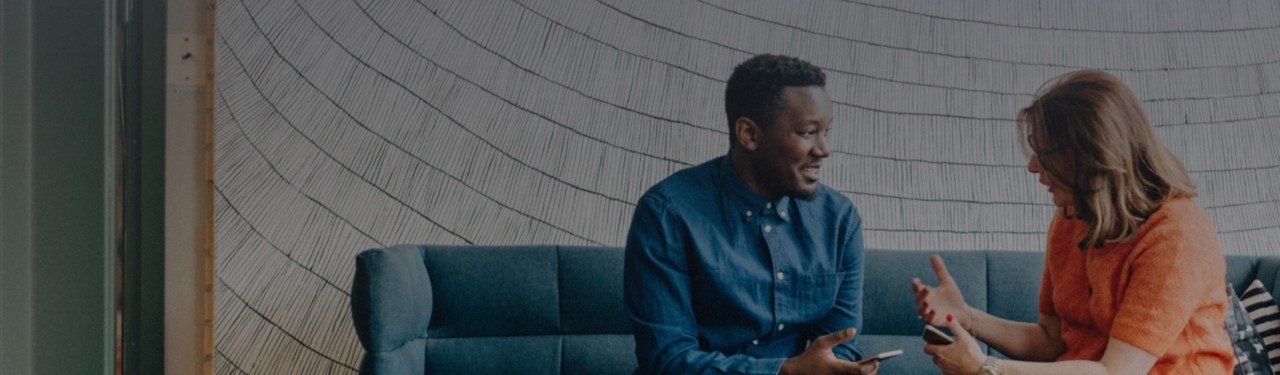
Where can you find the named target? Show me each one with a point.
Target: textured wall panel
(349, 124)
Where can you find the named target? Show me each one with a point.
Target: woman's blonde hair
(1090, 134)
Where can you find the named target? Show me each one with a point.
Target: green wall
(57, 204)
(15, 192)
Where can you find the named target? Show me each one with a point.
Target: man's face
(790, 153)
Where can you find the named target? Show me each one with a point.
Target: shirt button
(748, 213)
(781, 276)
(783, 214)
(781, 326)
(768, 205)
(768, 228)
(755, 342)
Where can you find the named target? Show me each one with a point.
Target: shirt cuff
(769, 366)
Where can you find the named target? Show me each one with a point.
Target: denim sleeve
(848, 307)
(656, 285)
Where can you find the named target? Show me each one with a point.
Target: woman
(1133, 271)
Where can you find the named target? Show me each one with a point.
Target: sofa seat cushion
(599, 354)
(494, 355)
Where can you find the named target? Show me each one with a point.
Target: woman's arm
(1025, 341)
(1036, 342)
(1119, 358)
(964, 357)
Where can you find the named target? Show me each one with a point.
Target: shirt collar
(728, 177)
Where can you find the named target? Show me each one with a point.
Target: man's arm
(658, 295)
(847, 312)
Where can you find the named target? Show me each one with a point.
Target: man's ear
(748, 133)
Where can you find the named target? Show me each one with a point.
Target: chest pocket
(816, 293)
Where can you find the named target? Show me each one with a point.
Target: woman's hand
(964, 357)
(935, 303)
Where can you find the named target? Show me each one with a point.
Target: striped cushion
(1251, 359)
(1266, 319)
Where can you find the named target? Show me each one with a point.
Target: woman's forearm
(1017, 340)
(1119, 359)
(1064, 368)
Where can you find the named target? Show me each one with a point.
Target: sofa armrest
(1269, 274)
(391, 309)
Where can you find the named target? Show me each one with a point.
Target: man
(746, 264)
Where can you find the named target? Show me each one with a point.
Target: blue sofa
(559, 309)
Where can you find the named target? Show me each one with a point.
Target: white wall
(346, 125)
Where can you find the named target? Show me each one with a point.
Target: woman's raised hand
(934, 303)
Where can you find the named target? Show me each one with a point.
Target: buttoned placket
(770, 228)
(770, 222)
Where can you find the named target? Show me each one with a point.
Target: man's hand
(818, 358)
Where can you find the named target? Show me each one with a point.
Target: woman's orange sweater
(1163, 292)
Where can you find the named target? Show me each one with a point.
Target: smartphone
(881, 357)
(936, 336)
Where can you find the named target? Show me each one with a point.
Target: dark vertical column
(142, 254)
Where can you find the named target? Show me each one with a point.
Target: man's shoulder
(686, 185)
(830, 208)
(832, 200)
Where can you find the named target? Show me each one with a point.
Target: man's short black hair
(755, 88)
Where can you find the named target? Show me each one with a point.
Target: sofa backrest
(558, 309)
(495, 310)
(529, 309)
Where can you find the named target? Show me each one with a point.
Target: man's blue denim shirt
(718, 280)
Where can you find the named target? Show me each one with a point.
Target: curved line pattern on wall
(344, 125)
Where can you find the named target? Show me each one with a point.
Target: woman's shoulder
(1183, 224)
(1178, 215)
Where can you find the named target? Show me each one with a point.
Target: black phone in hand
(935, 336)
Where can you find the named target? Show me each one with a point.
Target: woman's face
(1062, 196)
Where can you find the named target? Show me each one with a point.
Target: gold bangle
(990, 367)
